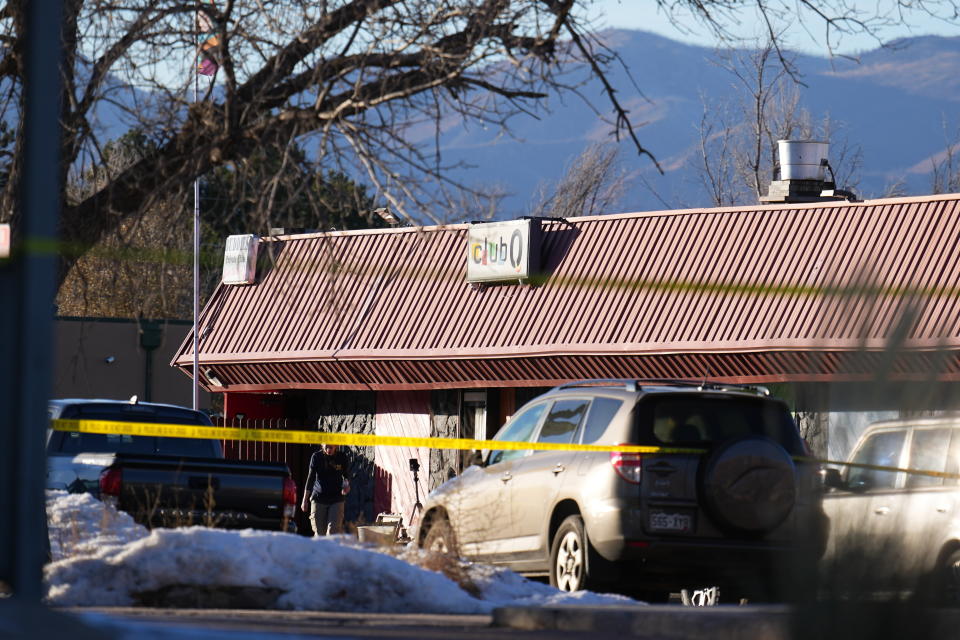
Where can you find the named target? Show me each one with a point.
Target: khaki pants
(326, 518)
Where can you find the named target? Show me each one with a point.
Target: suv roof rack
(629, 385)
(633, 385)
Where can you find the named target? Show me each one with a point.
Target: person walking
(324, 490)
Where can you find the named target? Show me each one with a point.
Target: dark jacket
(325, 477)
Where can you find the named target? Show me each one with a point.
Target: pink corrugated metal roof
(661, 292)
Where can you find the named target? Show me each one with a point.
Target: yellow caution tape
(340, 439)
(366, 440)
(878, 467)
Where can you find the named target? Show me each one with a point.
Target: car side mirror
(476, 458)
(832, 479)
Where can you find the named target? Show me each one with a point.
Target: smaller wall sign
(240, 259)
(4, 240)
(503, 251)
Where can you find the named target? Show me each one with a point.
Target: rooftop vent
(391, 218)
(803, 159)
(803, 174)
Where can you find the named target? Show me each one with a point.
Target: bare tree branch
(363, 87)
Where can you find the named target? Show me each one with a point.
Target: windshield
(73, 443)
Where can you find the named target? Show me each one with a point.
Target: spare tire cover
(749, 484)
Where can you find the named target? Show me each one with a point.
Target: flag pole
(196, 260)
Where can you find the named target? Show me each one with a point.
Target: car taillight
(628, 466)
(289, 497)
(110, 482)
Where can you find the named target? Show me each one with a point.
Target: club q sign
(503, 251)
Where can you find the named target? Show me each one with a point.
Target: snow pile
(79, 524)
(108, 559)
(501, 587)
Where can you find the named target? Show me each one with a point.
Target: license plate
(665, 521)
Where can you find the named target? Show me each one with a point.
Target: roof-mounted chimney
(803, 174)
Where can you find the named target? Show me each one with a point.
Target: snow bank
(101, 557)
(81, 525)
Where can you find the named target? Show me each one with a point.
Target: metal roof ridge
(786, 206)
(366, 232)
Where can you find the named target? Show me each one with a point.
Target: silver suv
(894, 531)
(726, 503)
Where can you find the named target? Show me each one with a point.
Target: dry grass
(71, 538)
(446, 563)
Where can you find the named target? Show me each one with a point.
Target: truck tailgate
(201, 490)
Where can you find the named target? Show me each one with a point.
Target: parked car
(898, 532)
(165, 481)
(733, 510)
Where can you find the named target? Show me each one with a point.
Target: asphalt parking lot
(657, 622)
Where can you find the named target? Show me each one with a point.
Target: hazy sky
(643, 14)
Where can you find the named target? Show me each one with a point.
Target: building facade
(842, 307)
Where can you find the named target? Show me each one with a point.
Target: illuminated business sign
(503, 251)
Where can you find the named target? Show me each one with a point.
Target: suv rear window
(699, 420)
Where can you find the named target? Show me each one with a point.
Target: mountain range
(898, 104)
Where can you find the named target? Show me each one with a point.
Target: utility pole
(27, 288)
(27, 282)
(196, 266)
(204, 65)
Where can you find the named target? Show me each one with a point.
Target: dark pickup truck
(164, 481)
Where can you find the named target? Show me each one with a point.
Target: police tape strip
(879, 467)
(340, 439)
(283, 436)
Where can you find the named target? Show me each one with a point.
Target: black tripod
(417, 507)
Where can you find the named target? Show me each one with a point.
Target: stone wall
(444, 423)
(814, 428)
